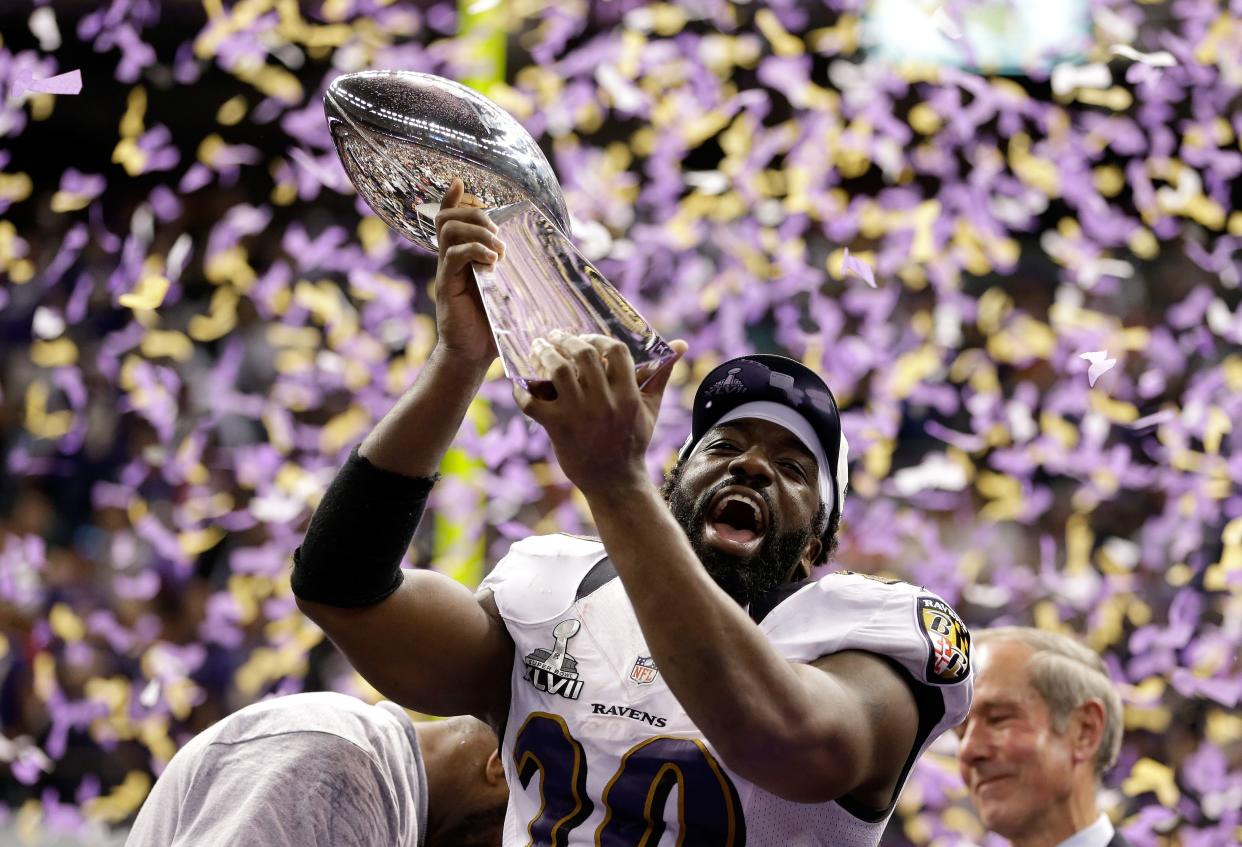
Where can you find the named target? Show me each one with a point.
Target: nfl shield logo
(644, 670)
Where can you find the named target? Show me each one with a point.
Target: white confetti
(142, 224)
(625, 96)
(707, 182)
(1123, 551)
(178, 256)
(1189, 187)
(985, 595)
(937, 471)
(1091, 271)
(23, 747)
(1100, 364)
(48, 323)
(1163, 416)
(290, 55)
(150, 694)
(594, 239)
(1159, 59)
(276, 509)
(1112, 26)
(1067, 77)
(1226, 324)
(43, 27)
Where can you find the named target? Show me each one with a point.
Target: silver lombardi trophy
(404, 136)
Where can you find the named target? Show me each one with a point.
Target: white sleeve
(911, 626)
(540, 575)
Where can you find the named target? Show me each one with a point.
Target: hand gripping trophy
(404, 136)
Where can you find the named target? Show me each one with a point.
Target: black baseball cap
(765, 378)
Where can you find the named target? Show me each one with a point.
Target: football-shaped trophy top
(403, 136)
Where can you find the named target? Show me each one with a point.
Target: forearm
(416, 433)
(352, 552)
(455, 655)
(730, 680)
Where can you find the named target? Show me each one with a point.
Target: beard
(743, 579)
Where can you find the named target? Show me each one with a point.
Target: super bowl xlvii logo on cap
(731, 384)
(555, 671)
(644, 671)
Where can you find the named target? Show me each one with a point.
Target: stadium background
(198, 318)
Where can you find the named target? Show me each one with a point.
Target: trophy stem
(545, 284)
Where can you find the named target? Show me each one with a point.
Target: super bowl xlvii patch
(644, 671)
(948, 641)
(731, 384)
(555, 671)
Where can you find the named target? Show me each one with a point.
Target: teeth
(738, 498)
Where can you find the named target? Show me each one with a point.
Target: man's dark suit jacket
(1118, 841)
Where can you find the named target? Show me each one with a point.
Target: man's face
(1015, 764)
(747, 499)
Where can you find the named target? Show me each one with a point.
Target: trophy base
(543, 389)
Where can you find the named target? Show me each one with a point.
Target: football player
(681, 679)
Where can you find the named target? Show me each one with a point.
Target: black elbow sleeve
(352, 552)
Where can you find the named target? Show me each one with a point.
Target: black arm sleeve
(352, 552)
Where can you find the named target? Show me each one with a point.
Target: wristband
(352, 552)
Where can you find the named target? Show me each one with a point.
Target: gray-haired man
(1044, 726)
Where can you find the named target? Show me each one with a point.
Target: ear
(1087, 730)
(802, 570)
(494, 770)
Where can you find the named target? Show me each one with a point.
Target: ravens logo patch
(948, 641)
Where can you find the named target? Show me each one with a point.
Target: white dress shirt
(1096, 835)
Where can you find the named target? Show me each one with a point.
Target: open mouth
(737, 519)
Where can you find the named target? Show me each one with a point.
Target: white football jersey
(598, 751)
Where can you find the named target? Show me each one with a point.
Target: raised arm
(841, 726)
(420, 638)
(412, 438)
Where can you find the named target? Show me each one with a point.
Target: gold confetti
(231, 266)
(783, 44)
(221, 318)
(15, 187)
(148, 294)
(1223, 728)
(170, 343)
(41, 423)
(127, 153)
(1149, 718)
(1150, 775)
(231, 111)
(53, 354)
(65, 624)
(122, 801)
(66, 201)
(344, 429)
(1004, 494)
(913, 368)
(194, 542)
